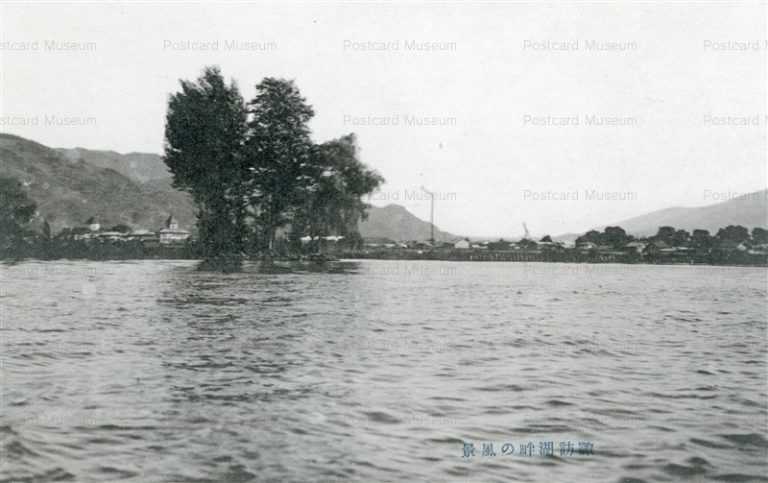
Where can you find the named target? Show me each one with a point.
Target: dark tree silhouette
(615, 236)
(332, 201)
(665, 234)
(733, 233)
(253, 169)
(701, 239)
(592, 236)
(759, 235)
(279, 153)
(16, 211)
(680, 238)
(205, 132)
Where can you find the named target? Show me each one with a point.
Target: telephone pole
(431, 215)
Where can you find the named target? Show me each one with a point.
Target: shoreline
(289, 262)
(572, 256)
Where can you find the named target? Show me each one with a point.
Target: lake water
(151, 371)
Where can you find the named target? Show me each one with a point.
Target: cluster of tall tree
(252, 167)
(16, 211)
(699, 238)
(613, 236)
(617, 237)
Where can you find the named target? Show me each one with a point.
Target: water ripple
(381, 371)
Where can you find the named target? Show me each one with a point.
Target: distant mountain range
(71, 185)
(749, 210)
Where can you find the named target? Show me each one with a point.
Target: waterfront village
(587, 248)
(170, 234)
(730, 245)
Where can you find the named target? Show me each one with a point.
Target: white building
(93, 224)
(172, 233)
(143, 235)
(91, 230)
(635, 246)
(462, 244)
(111, 235)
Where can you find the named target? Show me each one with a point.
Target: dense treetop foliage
(253, 169)
(16, 210)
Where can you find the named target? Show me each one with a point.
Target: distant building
(760, 249)
(90, 230)
(330, 238)
(655, 248)
(172, 233)
(143, 235)
(462, 244)
(378, 242)
(550, 246)
(634, 247)
(421, 245)
(93, 224)
(111, 236)
(585, 246)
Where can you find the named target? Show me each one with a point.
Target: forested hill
(70, 191)
(141, 167)
(397, 223)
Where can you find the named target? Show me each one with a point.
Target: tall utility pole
(431, 215)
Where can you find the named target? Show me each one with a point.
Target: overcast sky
(495, 107)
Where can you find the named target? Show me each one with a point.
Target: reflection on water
(381, 371)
